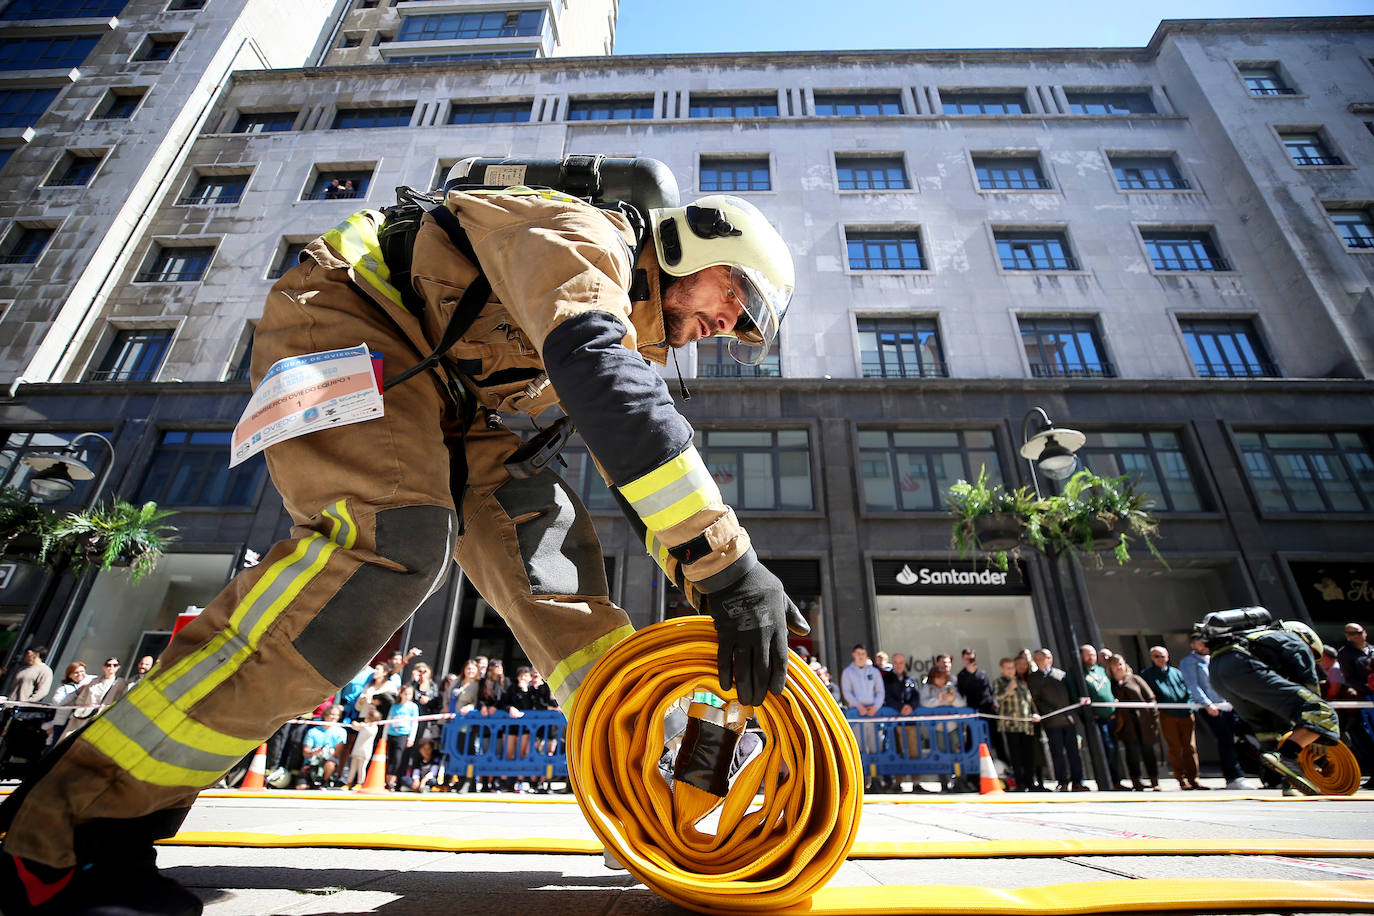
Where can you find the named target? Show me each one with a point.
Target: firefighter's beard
(683, 320)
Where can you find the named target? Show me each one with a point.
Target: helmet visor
(763, 306)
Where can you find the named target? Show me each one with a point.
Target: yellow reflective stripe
(134, 760)
(665, 475)
(680, 511)
(564, 669)
(355, 239)
(656, 549)
(170, 720)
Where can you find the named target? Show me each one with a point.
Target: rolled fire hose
(1333, 770)
(761, 857)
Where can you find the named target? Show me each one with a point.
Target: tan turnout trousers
(374, 530)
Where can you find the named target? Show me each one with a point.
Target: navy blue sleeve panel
(620, 404)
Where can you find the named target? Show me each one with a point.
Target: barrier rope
(761, 858)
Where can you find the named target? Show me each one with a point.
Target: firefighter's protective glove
(752, 617)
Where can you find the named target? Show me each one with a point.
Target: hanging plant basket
(999, 531)
(1104, 535)
(24, 548)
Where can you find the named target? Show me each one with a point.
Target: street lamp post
(1052, 450)
(55, 476)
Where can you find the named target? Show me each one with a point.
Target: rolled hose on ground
(1333, 770)
(766, 859)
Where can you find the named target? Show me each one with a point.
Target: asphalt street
(238, 881)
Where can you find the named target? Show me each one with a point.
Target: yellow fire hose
(760, 858)
(1333, 770)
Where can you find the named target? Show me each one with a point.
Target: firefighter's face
(700, 305)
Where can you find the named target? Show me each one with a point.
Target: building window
(62, 9)
(871, 173)
(60, 52)
(892, 249)
(354, 118)
(1265, 81)
(770, 469)
(1153, 460)
(242, 370)
(1064, 348)
(191, 468)
(177, 264)
(1355, 226)
(450, 26)
(290, 256)
(1147, 173)
(998, 173)
(841, 104)
(1309, 471)
(183, 6)
(5, 153)
(23, 107)
(440, 58)
(264, 122)
(582, 475)
(762, 106)
(1308, 148)
(912, 471)
(157, 48)
(714, 361)
(135, 355)
(728, 174)
(339, 185)
(74, 170)
(216, 189)
(900, 348)
(1110, 103)
(964, 102)
(610, 109)
(1227, 349)
(1172, 249)
(490, 113)
(119, 104)
(351, 41)
(24, 244)
(1034, 250)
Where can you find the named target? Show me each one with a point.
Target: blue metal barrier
(475, 746)
(914, 747)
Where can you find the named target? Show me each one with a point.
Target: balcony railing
(1272, 90)
(1358, 241)
(69, 182)
(737, 370)
(332, 195)
(18, 258)
(1158, 184)
(1024, 184)
(121, 375)
(1191, 265)
(1260, 369)
(170, 276)
(1081, 370)
(228, 197)
(1318, 160)
(1042, 264)
(924, 370)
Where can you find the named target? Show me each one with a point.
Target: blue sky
(665, 26)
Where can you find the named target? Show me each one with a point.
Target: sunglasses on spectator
(112, 664)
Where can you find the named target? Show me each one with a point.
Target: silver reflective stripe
(698, 478)
(163, 748)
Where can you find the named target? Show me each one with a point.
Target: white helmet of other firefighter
(724, 230)
(1306, 634)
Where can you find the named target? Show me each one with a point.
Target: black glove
(752, 617)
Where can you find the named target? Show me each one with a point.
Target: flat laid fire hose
(761, 857)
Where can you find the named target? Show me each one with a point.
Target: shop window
(489, 113)
(760, 106)
(1005, 173)
(901, 348)
(23, 107)
(1064, 348)
(767, 469)
(74, 170)
(714, 361)
(908, 470)
(1227, 349)
(264, 122)
(177, 264)
(1110, 103)
(968, 102)
(1147, 173)
(56, 52)
(871, 173)
(1309, 471)
(134, 355)
(1034, 250)
(216, 189)
(1183, 250)
(610, 109)
(191, 468)
(849, 104)
(1155, 461)
(25, 244)
(886, 250)
(361, 118)
(727, 174)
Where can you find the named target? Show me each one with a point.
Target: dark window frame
(228, 189)
(25, 244)
(133, 355)
(46, 52)
(912, 343)
(863, 246)
(735, 174)
(1054, 337)
(22, 106)
(1009, 173)
(714, 361)
(1355, 225)
(362, 181)
(1309, 148)
(373, 118)
(714, 105)
(157, 49)
(623, 108)
(887, 104)
(463, 113)
(1157, 454)
(1265, 80)
(1183, 251)
(1147, 173)
(980, 102)
(265, 122)
(190, 468)
(120, 104)
(481, 24)
(1227, 348)
(288, 258)
(902, 483)
(871, 173)
(168, 264)
(74, 170)
(1261, 461)
(1112, 103)
(1033, 251)
(702, 439)
(62, 9)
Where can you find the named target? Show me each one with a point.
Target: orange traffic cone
(375, 784)
(988, 783)
(255, 778)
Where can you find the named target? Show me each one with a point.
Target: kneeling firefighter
(514, 299)
(1267, 670)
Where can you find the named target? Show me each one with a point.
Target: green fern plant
(1092, 509)
(973, 501)
(116, 534)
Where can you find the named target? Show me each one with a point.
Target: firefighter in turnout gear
(568, 303)
(1267, 670)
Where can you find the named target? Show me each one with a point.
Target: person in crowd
(360, 757)
(482, 663)
(520, 699)
(974, 684)
(380, 691)
(1177, 726)
(348, 694)
(1098, 688)
(320, 751)
(33, 681)
(349, 191)
(938, 690)
(1049, 688)
(98, 693)
(1022, 666)
(446, 688)
(1332, 678)
(332, 190)
(492, 695)
(1138, 729)
(426, 698)
(1215, 712)
(464, 697)
(1356, 659)
(396, 664)
(400, 734)
(1016, 728)
(141, 669)
(903, 694)
(862, 688)
(423, 768)
(64, 696)
(831, 687)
